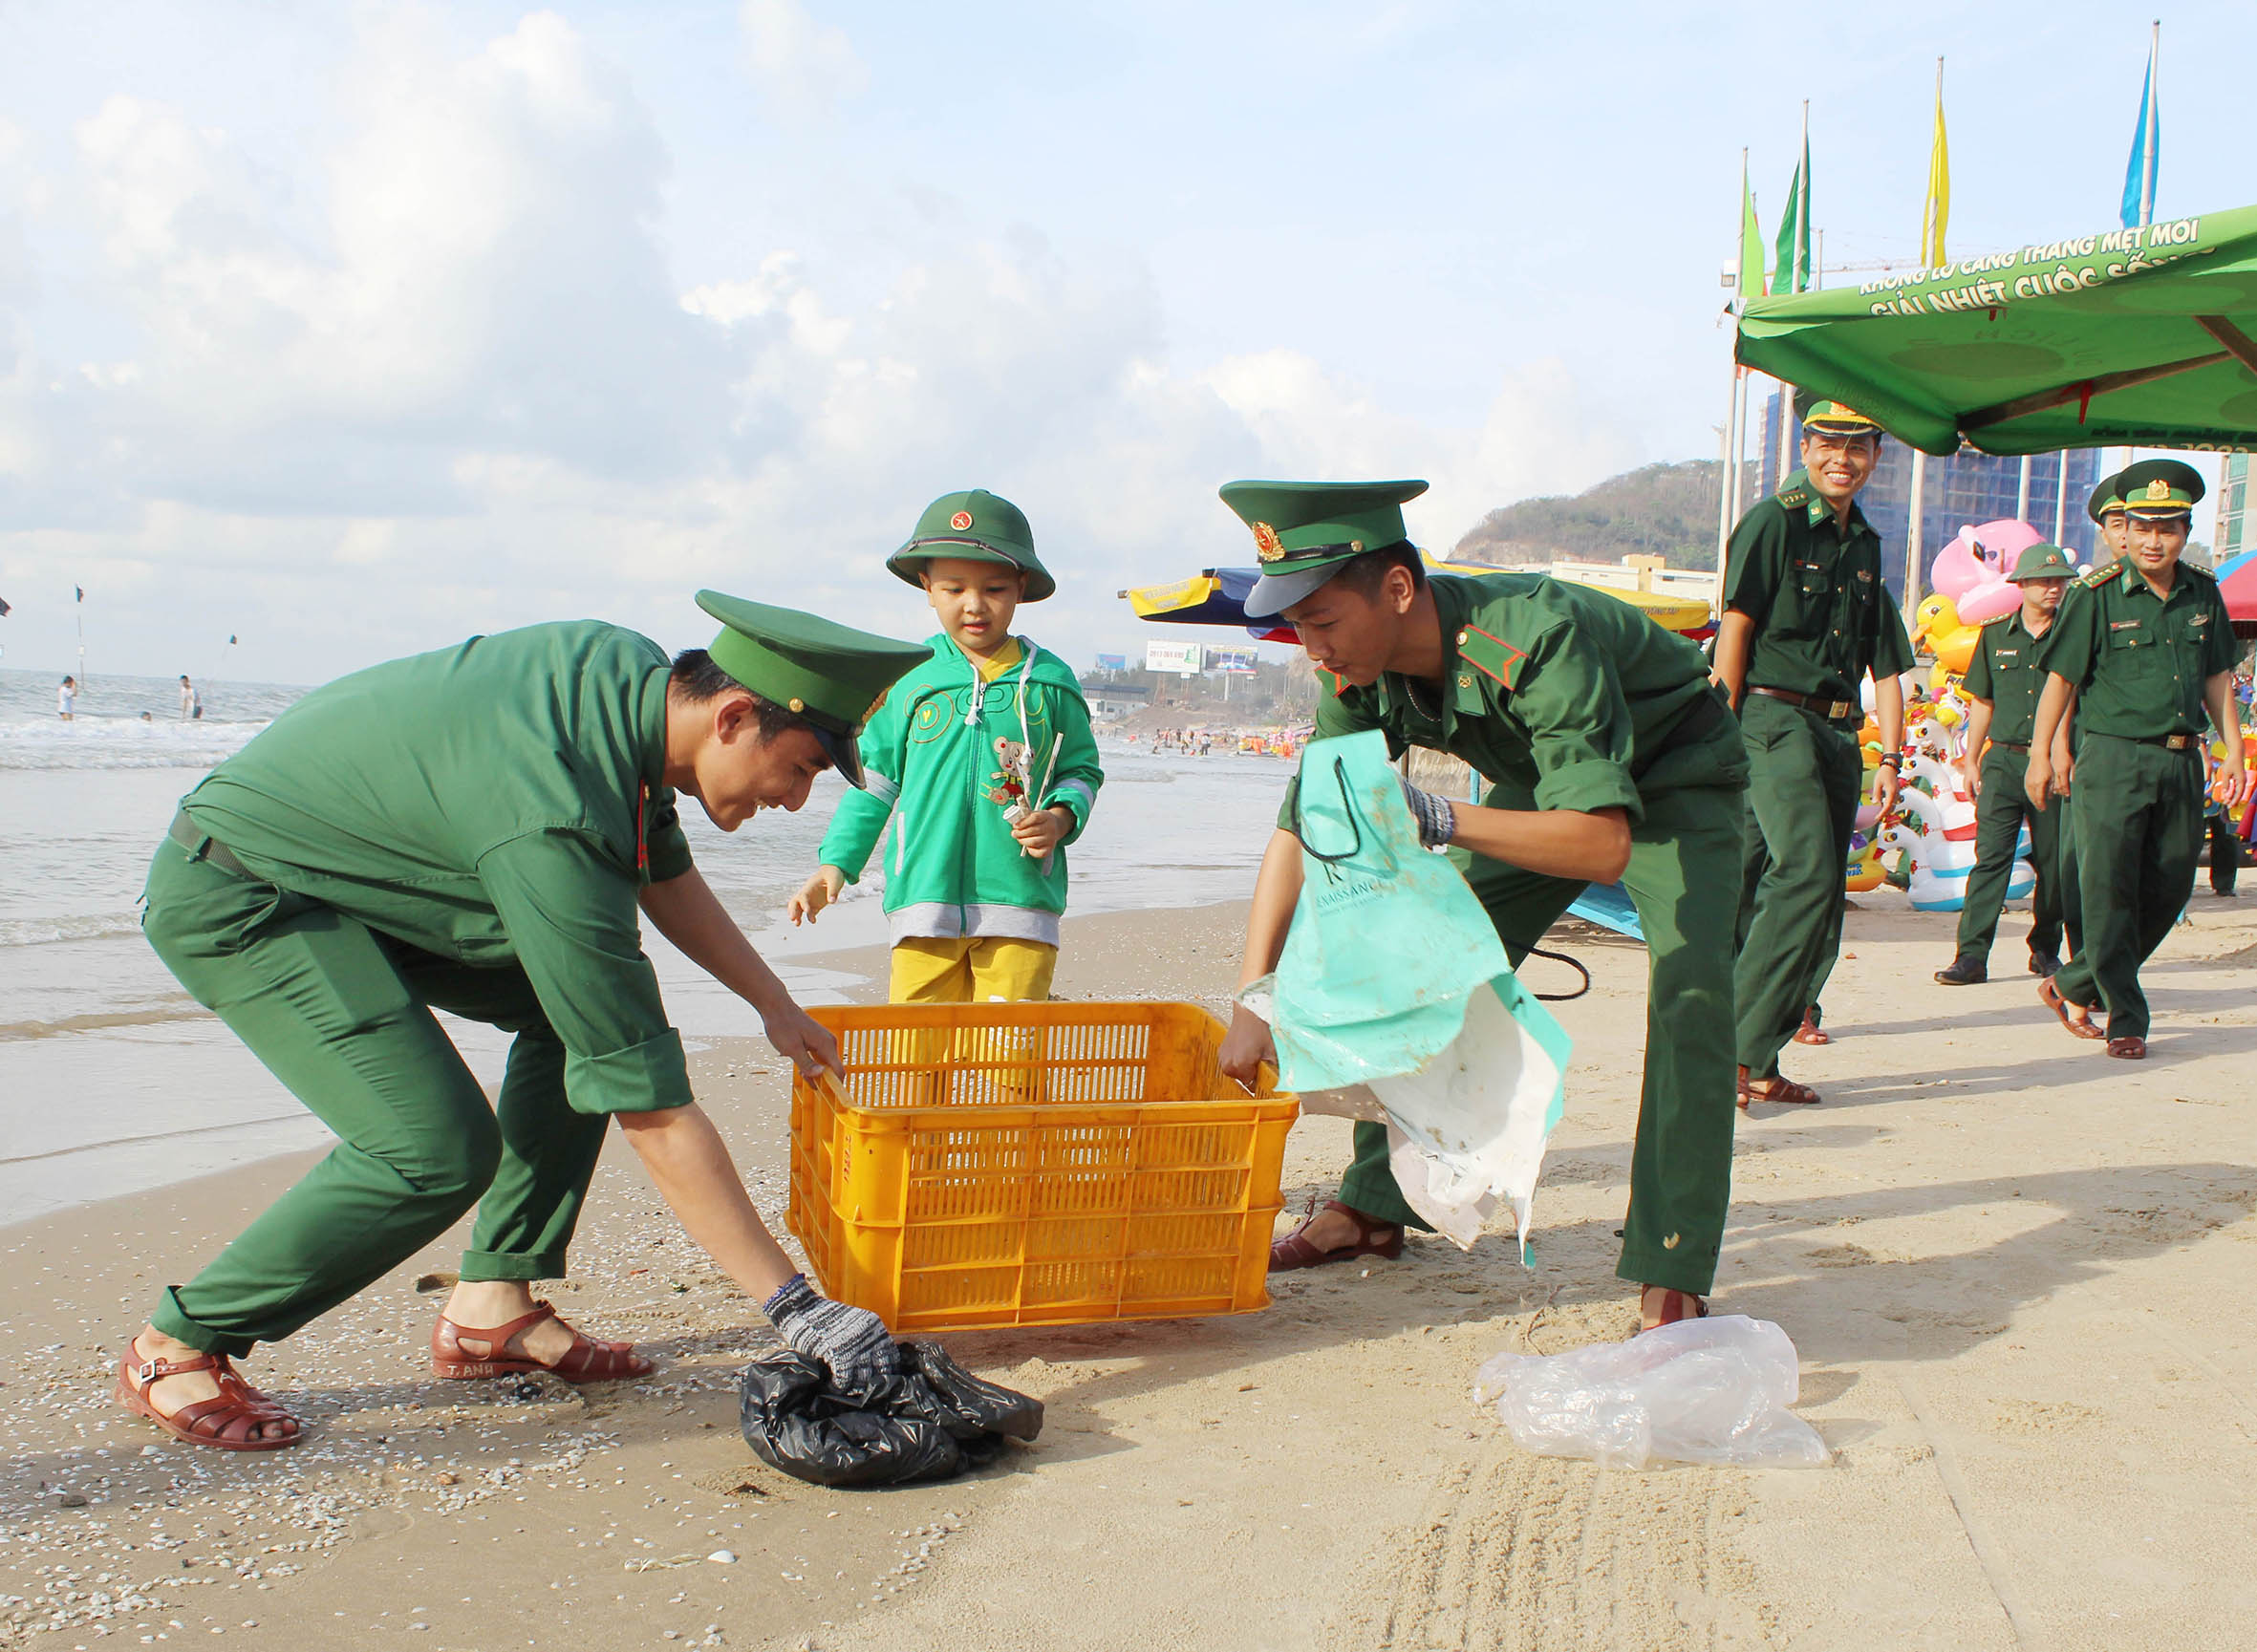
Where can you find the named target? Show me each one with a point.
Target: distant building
(2236, 533)
(1966, 489)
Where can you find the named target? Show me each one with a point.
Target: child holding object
(984, 760)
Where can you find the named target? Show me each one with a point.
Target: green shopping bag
(1387, 942)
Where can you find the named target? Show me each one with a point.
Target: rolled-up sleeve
(1566, 694)
(1755, 560)
(664, 841)
(572, 918)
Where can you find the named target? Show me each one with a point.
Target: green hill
(1659, 510)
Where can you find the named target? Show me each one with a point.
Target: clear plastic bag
(1713, 1391)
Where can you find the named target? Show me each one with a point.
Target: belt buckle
(2177, 742)
(1838, 709)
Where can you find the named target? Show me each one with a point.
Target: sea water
(113, 1079)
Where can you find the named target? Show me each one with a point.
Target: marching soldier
(2145, 647)
(2004, 680)
(1609, 755)
(482, 830)
(1807, 619)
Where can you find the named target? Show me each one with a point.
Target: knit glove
(1438, 821)
(851, 1342)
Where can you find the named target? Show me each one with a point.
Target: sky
(352, 330)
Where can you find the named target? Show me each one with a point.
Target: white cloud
(438, 379)
(804, 67)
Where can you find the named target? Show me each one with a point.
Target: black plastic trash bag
(931, 1420)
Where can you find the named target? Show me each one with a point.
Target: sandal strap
(498, 1336)
(147, 1371)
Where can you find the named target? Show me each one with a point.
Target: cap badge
(2159, 488)
(1266, 545)
(960, 521)
(796, 704)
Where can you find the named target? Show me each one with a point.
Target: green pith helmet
(2108, 497)
(1304, 533)
(2042, 562)
(1829, 416)
(2157, 489)
(978, 526)
(831, 674)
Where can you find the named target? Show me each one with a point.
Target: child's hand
(1039, 832)
(816, 894)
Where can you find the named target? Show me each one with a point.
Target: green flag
(1793, 270)
(1750, 242)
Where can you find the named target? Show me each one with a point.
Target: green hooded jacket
(946, 756)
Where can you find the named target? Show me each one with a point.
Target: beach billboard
(1112, 663)
(1234, 659)
(1182, 658)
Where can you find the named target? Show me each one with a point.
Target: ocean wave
(120, 743)
(75, 927)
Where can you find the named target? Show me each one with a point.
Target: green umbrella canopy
(2134, 337)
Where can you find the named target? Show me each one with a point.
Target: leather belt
(203, 847)
(1832, 710)
(2013, 744)
(2169, 741)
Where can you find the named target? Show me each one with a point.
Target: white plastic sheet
(1714, 1391)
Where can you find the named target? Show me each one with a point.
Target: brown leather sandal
(2130, 1047)
(463, 1353)
(1809, 1032)
(1676, 1305)
(1294, 1251)
(228, 1423)
(1779, 1087)
(2080, 1024)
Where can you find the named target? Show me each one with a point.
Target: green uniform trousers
(1804, 775)
(2001, 807)
(2138, 813)
(1685, 857)
(342, 1015)
(2226, 853)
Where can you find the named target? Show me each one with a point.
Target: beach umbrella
(2140, 338)
(2237, 583)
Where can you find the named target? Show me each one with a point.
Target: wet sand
(2010, 1266)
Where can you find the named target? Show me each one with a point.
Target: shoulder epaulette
(1489, 654)
(2098, 577)
(1794, 497)
(2208, 573)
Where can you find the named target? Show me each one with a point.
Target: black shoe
(2044, 964)
(1965, 972)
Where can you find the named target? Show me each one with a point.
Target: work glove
(1438, 821)
(852, 1344)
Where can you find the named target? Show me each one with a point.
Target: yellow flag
(1939, 203)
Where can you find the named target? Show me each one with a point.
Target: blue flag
(2146, 148)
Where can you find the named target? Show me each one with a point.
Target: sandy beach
(2010, 1266)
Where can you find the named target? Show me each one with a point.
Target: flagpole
(2022, 499)
(1913, 536)
(2148, 131)
(79, 608)
(2061, 499)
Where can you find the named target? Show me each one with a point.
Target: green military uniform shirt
(1559, 695)
(2140, 661)
(498, 803)
(2009, 670)
(1823, 615)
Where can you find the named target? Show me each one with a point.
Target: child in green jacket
(984, 757)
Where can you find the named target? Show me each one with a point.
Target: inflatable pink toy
(1973, 569)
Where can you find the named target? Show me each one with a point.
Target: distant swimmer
(191, 702)
(66, 697)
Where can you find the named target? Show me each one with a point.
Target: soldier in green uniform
(2004, 680)
(482, 830)
(2106, 509)
(1807, 618)
(2145, 646)
(1608, 755)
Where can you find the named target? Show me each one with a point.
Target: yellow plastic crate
(1035, 1164)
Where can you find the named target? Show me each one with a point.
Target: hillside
(1659, 510)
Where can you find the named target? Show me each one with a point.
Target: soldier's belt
(1832, 710)
(205, 848)
(2169, 741)
(2013, 744)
